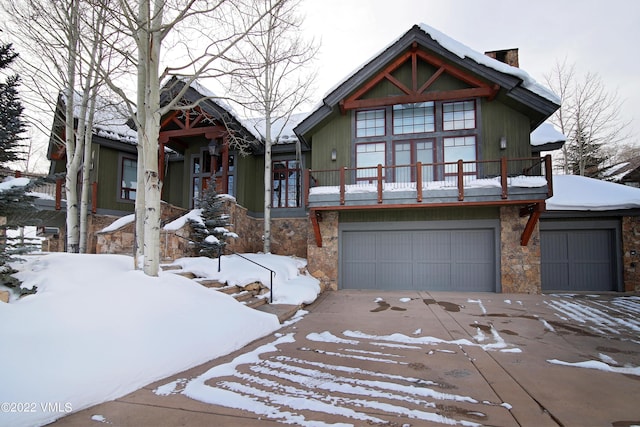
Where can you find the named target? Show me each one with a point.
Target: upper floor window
(370, 123)
(128, 178)
(413, 118)
(459, 115)
(368, 157)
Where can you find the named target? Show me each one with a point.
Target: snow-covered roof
(464, 51)
(359, 75)
(221, 102)
(620, 171)
(579, 193)
(545, 134)
(281, 128)
(109, 121)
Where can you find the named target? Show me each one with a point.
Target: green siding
(426, 214)
(175, 190)
(107, 164)
(500, 120)
(250, 182)
(336, 134)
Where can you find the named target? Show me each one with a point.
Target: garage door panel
(393, 246)
(472, 277)
(394, 276)
(431, 245)
(578, 258)
(360, 246)
(420, 259)
(473, 246)
(432, 276)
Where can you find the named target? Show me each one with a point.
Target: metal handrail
(272, 273)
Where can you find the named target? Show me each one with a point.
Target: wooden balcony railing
(505, 174)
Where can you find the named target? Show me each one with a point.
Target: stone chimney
(508, 56)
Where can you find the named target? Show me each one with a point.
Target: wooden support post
(307, 186)
(548, 174)
(460, 180)
(161, 160)
(315, 217)
(503, 177)
(419, 182)
(379, 183)
(59, 193)
(94, 197)
(342, 184)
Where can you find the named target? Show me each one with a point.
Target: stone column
(520, 265)
(322, 262)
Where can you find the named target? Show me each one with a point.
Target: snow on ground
(97, 329)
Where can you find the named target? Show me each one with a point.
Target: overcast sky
(598, 36)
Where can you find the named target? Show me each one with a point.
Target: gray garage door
(579, 256)
(420, 258)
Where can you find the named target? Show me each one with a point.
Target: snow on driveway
(349, 379)
(357, 376)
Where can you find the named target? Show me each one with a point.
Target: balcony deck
(504, 181)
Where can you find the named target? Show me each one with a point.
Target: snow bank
(97, 330)
(289, 285)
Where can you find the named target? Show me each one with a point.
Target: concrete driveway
(414, 359)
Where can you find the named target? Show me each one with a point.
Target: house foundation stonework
(520, 265)
(631, 253)
(322, 262)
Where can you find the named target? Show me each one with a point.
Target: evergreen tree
(210, 235)
(15, 203)
(11, 123)
(584, 154)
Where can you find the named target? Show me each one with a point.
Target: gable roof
(516, 86)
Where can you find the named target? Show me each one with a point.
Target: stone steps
(249, 295)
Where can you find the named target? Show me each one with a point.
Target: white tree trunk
(268, 177)
(149, 78)
(73, 164)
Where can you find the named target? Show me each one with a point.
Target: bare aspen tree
(64, 47)
(277, 80)
(155, 27)
(590, 117)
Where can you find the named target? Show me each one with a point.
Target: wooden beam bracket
(316, 217)
(534, 215)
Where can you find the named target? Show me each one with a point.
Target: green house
(417, 171)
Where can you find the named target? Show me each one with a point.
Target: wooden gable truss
(418, 90)
(190, 122)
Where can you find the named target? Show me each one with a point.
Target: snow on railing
(460, 175)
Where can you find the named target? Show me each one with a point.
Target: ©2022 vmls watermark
(27, 407)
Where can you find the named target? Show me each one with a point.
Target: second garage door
(580, 255)
(440, 255)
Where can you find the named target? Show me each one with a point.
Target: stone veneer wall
(520, 265)
(322, 262)
(631, 253)
(289, 235)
